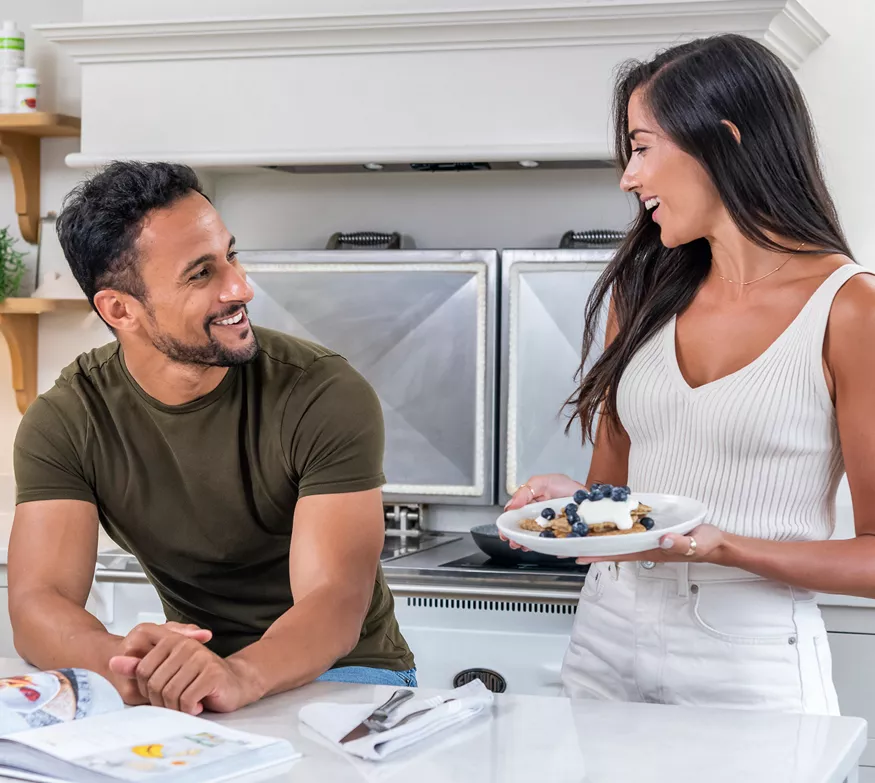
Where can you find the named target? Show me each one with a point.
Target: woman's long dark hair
(770, 183)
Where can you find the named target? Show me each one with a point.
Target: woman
(737, 370)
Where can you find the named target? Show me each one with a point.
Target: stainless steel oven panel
(544, 295)
(420, 326)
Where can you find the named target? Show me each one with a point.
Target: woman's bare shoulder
(851, 326)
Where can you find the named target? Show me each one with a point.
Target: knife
(378, 716)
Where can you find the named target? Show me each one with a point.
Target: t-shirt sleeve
(334, 423)
(47, 456)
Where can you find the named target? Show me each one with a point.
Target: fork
(377, 719)
(428, 705)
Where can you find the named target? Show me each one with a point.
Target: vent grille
(531, 607)
(492, 680)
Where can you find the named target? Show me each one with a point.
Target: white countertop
(529, 738)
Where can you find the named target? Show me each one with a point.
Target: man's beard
(213, 353)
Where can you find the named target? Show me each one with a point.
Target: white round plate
(671, 514)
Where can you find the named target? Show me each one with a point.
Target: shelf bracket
(21, 331)
(23, 153)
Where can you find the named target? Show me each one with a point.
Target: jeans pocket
(744, 612)
(408, 678)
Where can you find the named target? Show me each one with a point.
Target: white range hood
(468, 80)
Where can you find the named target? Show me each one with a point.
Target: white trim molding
(783, 24)
(518, 80)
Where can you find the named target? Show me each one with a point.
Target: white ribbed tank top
(760, 447)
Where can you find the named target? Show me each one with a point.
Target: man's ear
(733, 129)
(122, 312)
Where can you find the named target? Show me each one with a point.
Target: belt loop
(616, 570)
(683, 575)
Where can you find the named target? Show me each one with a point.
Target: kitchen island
(530, 738)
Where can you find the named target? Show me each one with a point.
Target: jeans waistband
(693, 572)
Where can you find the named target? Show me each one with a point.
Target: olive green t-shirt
(203, 494)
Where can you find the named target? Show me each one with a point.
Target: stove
(395, 546)
(479, 561)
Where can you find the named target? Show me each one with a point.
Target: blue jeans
(370, 676)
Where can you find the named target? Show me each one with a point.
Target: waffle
(562, 529)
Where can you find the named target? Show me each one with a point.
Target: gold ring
(530, 490)
(692, 550)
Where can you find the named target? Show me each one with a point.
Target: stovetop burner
(482, 562)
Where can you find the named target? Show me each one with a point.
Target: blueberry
(606, 489)
(548, 513)
(596, 495)
(647, 522)
(594, 485)
(580, 496)
(572, 518)
(570, 509)
(580, 529)
(547, 534)
(628, 491)
(620, 494)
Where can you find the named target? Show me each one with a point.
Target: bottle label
(12, 43)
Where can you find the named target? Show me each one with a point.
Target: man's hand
(138, 644)
(179, 673)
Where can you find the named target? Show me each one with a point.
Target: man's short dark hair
(102, 218)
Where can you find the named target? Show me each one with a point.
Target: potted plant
(12, 266)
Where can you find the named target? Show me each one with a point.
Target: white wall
(497, 209)
(837, 80)
(459, 209)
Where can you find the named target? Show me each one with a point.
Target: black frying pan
(486, 537)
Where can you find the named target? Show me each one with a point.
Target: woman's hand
(674, 548)
(546, 487)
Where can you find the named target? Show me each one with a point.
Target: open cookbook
(71, 725)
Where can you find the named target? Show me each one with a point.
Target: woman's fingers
(512, 544)
(526, 493)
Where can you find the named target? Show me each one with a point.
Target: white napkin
(334, 721)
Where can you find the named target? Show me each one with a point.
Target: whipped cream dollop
(598, 512)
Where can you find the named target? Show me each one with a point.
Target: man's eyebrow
(192, 265)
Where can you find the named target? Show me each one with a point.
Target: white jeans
(698, 634)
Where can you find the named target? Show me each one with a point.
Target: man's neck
(169, 382)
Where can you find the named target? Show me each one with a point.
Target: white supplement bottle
(26, 90)
(11, 47)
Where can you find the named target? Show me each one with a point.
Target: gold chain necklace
(757, 279)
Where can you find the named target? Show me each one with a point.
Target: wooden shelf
(20, 136)
(33, 306)
(19, 324)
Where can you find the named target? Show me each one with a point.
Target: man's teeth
(236, 319)
(652, 202)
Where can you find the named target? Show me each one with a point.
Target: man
(241, 466)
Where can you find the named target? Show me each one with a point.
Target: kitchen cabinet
(852, 643)
(6, 647)
(852, 656)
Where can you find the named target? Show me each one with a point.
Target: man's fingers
(173, 677)
(124, 665)
(190, 630)
(193, 696)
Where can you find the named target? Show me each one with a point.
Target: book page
(141, 742)
(30, 701)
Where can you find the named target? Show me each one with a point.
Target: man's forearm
(302, 643)
(52, 631)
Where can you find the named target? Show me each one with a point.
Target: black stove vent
(492, 680)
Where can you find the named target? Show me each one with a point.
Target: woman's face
(677, 192)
